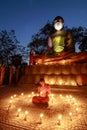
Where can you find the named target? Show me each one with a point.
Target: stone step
(68, 75)
(57, 69)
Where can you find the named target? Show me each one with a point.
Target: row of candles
(41, 116)
(26, 114)
(69, 98)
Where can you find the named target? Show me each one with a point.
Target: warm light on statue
(60, 82)
(58, 26)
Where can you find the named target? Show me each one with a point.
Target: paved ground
(67, 109)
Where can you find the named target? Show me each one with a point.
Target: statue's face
(58, 25)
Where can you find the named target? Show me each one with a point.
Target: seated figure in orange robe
(44, 91)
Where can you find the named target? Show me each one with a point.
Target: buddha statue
(60, 40)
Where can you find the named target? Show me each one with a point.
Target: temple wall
(74, 74)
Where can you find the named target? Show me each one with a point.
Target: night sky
(26, 17)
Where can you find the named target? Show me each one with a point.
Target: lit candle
(41, 116)
(67, 98)
(26, 113)
(18, 113)
(29, 97)
(76, 110)
(73, 100)
(70, 115)
(70, 96)
(61, 95)
(11, 97)
(22, 94)
(15, 95)
(10, 103)
(76, 104)
(9, 106)
(59, 120)
(73, 83)
(32, 94)
(60, 82)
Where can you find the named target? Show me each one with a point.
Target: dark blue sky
(26, 17)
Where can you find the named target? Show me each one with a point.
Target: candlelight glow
(57, 103)
(76, 110)
(70, 115)
(18, 113)
(22, 94)
(15, 95)
(26, 113)
(11, 97)
(41, 116)
(59, 119)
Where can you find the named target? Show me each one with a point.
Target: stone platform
(60, 75)
(65, 69)
(62, 58)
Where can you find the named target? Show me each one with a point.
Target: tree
(16, 60)
(80, 37)
(10, 47)
(8, 44)
(39, 40)
(83, 45)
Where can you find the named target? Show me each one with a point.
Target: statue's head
(58, 23)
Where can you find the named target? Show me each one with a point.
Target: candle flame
(41, 115)
(26, 112)
(70, 114)
(60, 117)
(19, 109)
